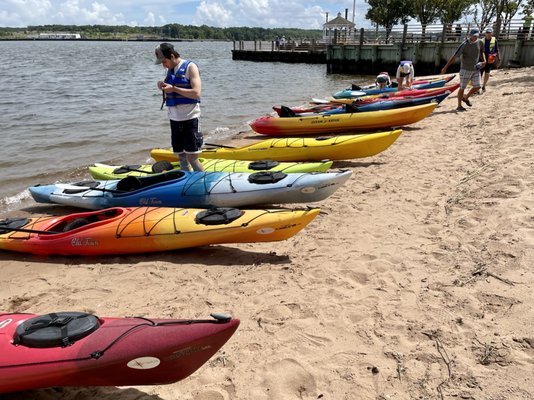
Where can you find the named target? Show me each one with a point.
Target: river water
(66, 104)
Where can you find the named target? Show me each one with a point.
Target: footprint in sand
(210, 395)
(287, 380)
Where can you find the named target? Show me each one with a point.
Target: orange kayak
(148, 229)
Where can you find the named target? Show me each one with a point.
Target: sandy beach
(415, 282)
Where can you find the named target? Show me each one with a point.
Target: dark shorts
(185, 136)
(487, 68)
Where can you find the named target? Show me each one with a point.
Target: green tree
(426, 12)
(453, 10)
(388, 13)
(500, 10)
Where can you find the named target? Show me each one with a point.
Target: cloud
(211, 13)
(220, 13)
(29, 11)
(256, 13)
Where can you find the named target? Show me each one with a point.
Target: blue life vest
(178, 79)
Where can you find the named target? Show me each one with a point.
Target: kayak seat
(262, 165)
(76, 223)
(60, 329)
(266, 177)
(351, 109)
(131, 183)
(286, 112)
(217, 216)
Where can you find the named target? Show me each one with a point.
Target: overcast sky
(221, 13)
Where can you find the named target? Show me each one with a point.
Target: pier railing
(408, 33)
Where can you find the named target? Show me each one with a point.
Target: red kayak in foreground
(78, 349)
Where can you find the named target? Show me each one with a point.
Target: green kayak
(106, 172)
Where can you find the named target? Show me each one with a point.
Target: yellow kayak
(344, 147)
(319, 124)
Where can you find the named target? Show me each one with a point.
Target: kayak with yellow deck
(108, 172)
(339, 123)
(123, 230)
(344, 147)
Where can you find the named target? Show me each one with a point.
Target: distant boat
(59, 36)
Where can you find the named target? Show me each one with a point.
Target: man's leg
(184, 162)
(194, 161)
(460, 97)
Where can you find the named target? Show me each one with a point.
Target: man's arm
(453, 57)
(451, 61)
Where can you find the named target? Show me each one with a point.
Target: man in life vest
(383, 80)
(405, 75)
(493, 56)
(470, 52)
(182, 88)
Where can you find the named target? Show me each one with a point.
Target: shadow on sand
(100, 393)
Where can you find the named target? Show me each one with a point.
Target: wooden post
(403, 42)
(439, 48)
(516, 62)
(255, 45)
(360, 45)
(234, 45)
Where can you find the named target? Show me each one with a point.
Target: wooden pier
(368, 55)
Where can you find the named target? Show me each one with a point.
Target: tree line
(388, 13)
(169, 31)
(384, 13)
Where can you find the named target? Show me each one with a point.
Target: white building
(59, 35)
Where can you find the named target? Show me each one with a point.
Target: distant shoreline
(112, 40)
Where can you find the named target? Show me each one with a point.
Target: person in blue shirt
(493, 56)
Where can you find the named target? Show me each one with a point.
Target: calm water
(66, 105)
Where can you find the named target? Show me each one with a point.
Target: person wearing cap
(383, 80)
(493, 56)
(405, 75)
(470, 52)
(182, 87)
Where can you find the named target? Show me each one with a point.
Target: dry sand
(415, 283)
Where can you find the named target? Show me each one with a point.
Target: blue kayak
(349, 93)
(195, 189)
(379, 105)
